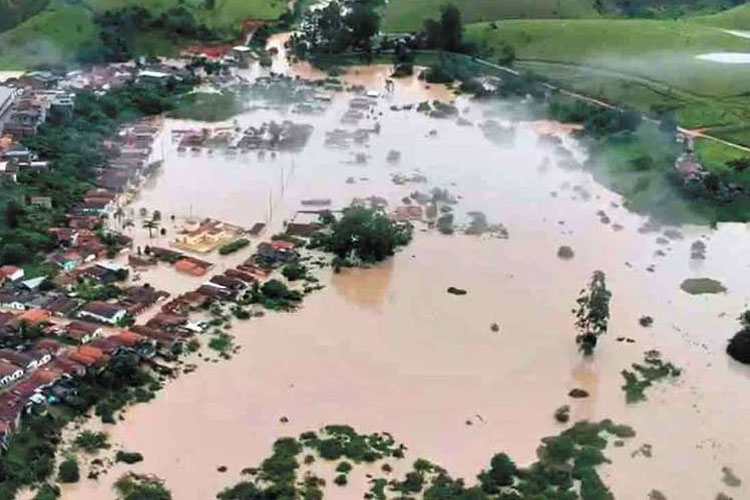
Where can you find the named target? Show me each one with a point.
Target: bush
(90, 441)
(234, 246)
(68, 472)
(341, 480)
(739, 346)
(294, 271)
(344, 467)
(128, 457)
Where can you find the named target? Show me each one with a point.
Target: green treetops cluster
(361, 236)
(339, 26)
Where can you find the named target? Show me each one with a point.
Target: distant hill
(62, 26)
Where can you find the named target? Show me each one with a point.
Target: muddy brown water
(387, 349)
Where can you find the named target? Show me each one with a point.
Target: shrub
(341, 480)
(68, 472)
(90, 441)
(739, 346)
(294, 271)
(128, 457)
(234, 246)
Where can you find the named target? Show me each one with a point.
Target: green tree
(151, 225)
(592, 315)
(68, 472)
(364, 234)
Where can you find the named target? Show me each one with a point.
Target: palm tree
(150, 225)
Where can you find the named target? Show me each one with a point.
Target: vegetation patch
(739, 345)
(208, 106)
(128, 457)
(234, 246)
(133, 486)
(565, 469)
(68, 471)
(643, 376)
(700, 286)
(91, 442)
(361, 236)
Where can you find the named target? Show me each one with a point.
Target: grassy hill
(408, 15)
(644, 63)
(737, 18)
(55, 34)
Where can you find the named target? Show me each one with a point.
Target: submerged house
(110, 314)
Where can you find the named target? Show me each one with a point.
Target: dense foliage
(337, 27)
(643, 376)
(136, 487)
(565, 468)
(68, 471)
(119, 31)
(362, 235)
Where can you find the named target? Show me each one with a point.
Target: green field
(737, 18)
(640, 63)
(714, 156)
(56, 33)
(409, 15)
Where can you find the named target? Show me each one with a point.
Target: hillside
(408, 15)
(737, 18)
(15, 12)
(55, 34)
(645, 63)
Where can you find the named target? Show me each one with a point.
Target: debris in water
(222, 468)
(456, 291)
(656, 495)
(494, 327)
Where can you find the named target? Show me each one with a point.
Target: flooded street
(387, 349)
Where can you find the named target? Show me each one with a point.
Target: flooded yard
(387, 349)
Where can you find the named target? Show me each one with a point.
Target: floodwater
(726, 57)
(387, 349)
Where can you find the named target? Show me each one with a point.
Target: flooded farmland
(387, 349)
